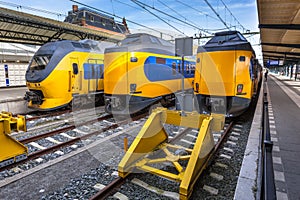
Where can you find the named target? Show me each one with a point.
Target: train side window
(242, 58)
(173, 68)
(75, 68)
(160, 60)
(178, 65)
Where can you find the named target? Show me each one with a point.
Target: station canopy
(20, 27)
(279, 23)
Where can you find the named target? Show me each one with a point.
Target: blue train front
(143, 71)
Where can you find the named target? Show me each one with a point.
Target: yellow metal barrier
(10, 149)
(153, 138)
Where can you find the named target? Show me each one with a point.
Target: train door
(91, 75)
(73, 75)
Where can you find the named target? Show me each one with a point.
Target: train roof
(226, 40)
(66, 46)
(144, 42)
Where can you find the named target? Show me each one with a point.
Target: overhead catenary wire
(203, 13)
(141, 5)
(233, 16)
(145, 5)
(203, 30)
(220, 18)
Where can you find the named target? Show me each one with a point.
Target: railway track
(151, 186)
(185, 138)
(71, 136)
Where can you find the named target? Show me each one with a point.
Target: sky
(238, 15)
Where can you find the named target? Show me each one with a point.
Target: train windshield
(39, 62)
(131, 40)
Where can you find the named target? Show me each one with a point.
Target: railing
(267, 190)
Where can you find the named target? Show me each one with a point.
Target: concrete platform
(284, 117)
(284, 106)
(11, 100)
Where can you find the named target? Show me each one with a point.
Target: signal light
(240, 88)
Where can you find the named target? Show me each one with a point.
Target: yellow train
(141, 71)
(227, 74)
(65, 73)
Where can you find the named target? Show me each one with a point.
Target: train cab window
(154, 40)
(173, 68)
(75, 68)
(178, 65)
(242, 58)
(39, 62)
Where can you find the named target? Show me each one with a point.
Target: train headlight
(240, 88)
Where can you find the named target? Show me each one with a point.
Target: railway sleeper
(151, 149)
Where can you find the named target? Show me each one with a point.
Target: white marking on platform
(233, 138)
(271, 118)
(211, 190)
(67, 136)
(279, 176)
(37, 145)
(98, 186)
(272, 122)
(231, 143)
(79, 131)
(273, 126)
(273, 132)
(120, 196)
(276, 148)
(225, 156)
(235, 133)
(218, 164)
(277, 160)
(192, 136)
(53, 140)
(274, 139)
(216, 176)
(188, 142)
(281, 195)
(156, 190)
(228, 149)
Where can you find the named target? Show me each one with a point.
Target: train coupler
(151, 149)
(11, 149)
